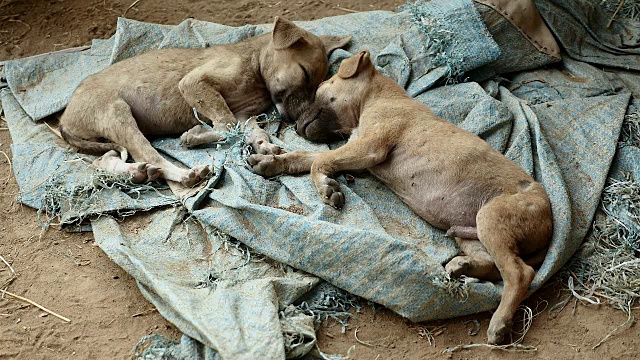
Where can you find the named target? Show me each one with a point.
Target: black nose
(309, 115)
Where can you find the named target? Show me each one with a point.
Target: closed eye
(307, 77)
(279, 96)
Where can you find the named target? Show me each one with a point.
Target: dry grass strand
(23, 299)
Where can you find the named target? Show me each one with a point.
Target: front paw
(329, 189)
(266, 148)
(199, 135)
(266, 165)
(259, 141)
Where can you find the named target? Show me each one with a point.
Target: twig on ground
(13, 274)
(130, 7)
(21, 22)
(630, 320)
(8, 265)
(144, 312)
(6, 181)
(78, 262)
(5, 17)
(430, 334)
(18, 297)
(367, 343)
(515, 346)
(346, 9)
(615, 13)
(8, 282)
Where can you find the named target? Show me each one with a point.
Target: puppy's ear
(334, 42)
(285, 33)
(355, 65)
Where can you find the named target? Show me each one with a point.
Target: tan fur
(154, 94)
(448, 176)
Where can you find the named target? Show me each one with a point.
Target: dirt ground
(68, 274)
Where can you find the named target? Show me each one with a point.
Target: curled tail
(92, 147)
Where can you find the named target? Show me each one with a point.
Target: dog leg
(201, 94)
(139, 173)
(501, 224)
(197, 89)
(476, 262)
(124, 130)
(358, 154)
(295, 162)
(465, 232)
(259, 139)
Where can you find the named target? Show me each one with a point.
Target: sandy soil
(70, 275)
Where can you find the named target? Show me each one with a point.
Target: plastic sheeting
(226, 270)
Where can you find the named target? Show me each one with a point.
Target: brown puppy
(450, 177)
(158, 92)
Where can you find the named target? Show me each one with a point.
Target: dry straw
(514, 346)
(606, 269)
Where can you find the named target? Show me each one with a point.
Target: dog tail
(92, 147)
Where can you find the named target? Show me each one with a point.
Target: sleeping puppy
(499, 216)
(164, 92)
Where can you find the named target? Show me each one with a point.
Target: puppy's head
(336, 109)
(294, 64)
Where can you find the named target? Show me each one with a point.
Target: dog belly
(442, 208)
(167, 113)
(161, 114)
(437, 199)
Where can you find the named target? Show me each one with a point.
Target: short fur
(155, 93)
(450, 177)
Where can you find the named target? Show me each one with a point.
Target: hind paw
(195, 175)
(498, 331)
(142, 172)
(458, 266)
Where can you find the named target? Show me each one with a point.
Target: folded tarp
(226, 267)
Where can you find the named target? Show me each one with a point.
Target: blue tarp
(225, 267)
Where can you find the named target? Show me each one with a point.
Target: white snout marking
(281, 110)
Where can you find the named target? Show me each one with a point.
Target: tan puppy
(450, 177)
(158, 92)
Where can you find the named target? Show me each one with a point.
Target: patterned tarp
(226, 266)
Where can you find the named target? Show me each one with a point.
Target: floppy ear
(334, 42)
(354, 65)
(285, 33)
